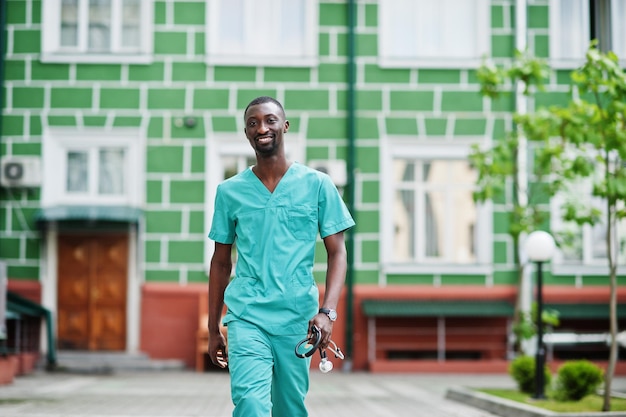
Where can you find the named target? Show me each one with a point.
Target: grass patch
(9, 401)
(15, 401)
(587, 404)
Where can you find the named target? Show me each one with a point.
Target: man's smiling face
(265, 127)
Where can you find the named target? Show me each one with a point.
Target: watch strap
(332, 314)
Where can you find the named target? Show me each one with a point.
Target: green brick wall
(406, 102)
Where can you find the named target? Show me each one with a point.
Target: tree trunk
(611, 241)
(518, 298)
(608, 376)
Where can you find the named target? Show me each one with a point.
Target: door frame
(49, 281)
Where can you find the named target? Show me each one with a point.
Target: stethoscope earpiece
(307, 347)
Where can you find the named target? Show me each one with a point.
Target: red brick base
(9, 366)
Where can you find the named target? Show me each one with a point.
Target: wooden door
(91, 300)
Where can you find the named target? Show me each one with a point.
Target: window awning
(585, 311)
(124, 214)
(429, 308)
(18, 306)
(475, 308)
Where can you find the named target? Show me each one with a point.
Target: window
(574, 23)
(234, 164)
(262, 32)
(434, 214)
(97, 30)
(425, 33)
(96, 172)
(429, 214)
(584, 245)
(104, 170)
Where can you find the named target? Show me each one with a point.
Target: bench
(429, 330)
(438, 338)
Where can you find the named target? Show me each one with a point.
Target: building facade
(120, 117)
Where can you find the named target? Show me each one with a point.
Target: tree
(584, 142)
(499, 169)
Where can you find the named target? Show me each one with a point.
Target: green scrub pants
(265, 373)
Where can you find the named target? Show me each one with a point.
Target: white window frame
(408, 147)
(52, 51)
(59, 141)
(388, 12)
(580, 36)
(277, 55)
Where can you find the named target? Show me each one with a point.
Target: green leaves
(491, 79)
(531, 71)
(494, 166)
(585, 140)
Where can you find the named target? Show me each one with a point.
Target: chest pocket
(303, 223)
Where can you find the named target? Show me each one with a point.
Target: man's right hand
(217, 350)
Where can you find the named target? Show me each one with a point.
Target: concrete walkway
(155, 394)
(189, 394)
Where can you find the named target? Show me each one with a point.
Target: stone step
(110, 362)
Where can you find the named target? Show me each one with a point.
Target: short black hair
(264, 99)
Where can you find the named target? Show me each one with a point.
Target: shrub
(577, 379)
(522, 369)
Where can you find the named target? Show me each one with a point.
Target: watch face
(332, 315)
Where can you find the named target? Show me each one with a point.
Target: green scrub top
(275, 235)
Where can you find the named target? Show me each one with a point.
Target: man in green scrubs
(273, 212)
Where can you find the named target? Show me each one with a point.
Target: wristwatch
(332, 314)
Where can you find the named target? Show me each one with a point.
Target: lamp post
(539, 247)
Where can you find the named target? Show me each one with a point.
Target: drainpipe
(521, 107)
(350, 197)
(3, 41)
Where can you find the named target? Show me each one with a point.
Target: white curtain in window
(400, 38)
(257, 28)
(99, 38)
(77, 176)
(442, 29)
(131, 23)
(293, 28)
(618, 26)
(449, 185)
(231, 35)
(69, 23)
(434, 213)
(446, 28)
(111, 171)
(598, 241)
(404, 212)
(569, 21)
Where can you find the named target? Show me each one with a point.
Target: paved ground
(190, 394)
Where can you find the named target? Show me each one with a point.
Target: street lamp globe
(540, 246)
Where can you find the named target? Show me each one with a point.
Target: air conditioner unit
(20, 171)
(335, 168)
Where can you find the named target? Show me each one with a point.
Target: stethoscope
(306, 348)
